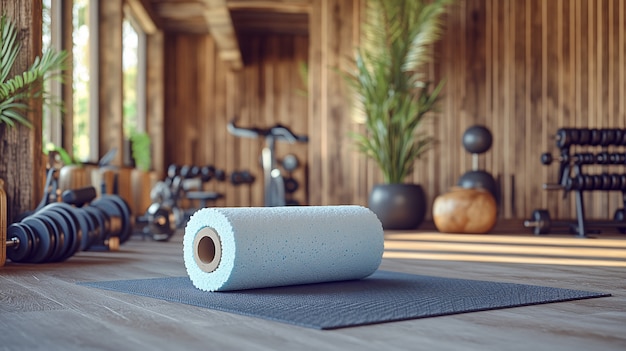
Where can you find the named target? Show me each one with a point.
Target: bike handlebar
(278, 131)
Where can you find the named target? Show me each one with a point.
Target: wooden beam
(221, 27)
(141, 14)
(281, 6)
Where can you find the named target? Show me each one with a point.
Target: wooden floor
(42, 307)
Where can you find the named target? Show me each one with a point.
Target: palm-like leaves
(388, 81)
(16, 92)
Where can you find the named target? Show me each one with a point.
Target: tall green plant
(16, 92)
(388, 81)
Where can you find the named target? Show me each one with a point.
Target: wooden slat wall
(202, 94)
(522, 68)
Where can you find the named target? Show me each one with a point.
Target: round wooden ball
(465, 210)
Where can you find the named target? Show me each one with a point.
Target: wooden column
(331, 154)
(21, 158)
(67, 93)
(155, 100)
(110, 111)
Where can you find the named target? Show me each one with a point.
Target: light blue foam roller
(255, 247)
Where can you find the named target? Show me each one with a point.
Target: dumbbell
(163, 221)
(241, 177)
(52, 234)
(541, 223)
(607, 137)
(565, 137)
(617, 158)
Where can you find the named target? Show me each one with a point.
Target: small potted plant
(142, 179)
(388, 81)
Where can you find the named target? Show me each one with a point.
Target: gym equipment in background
(290, 163)
(465, 211)
(166, 214)
(56, 231)
(470, 207)
(573, 178)
(273, 181)
(477, 140)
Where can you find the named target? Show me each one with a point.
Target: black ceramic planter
(398, 206)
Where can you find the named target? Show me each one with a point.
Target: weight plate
(101, 228)
(109, 211)
(88, 223)
(59, 229)
(73, 231)
(126, 216)
(23, 251)
(81, 223)
(44, 240)
(291, 185)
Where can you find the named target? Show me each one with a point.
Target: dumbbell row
(566, 137)
(206, 173)
(587, 158)
(588, 182)
(59, 230)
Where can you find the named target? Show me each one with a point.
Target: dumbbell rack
(572, 177)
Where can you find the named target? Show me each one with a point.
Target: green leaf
(18, 91)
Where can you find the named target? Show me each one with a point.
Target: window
(51, 38)
(133, 41)
(85, 126)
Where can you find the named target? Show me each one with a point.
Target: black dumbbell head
(584, 136)
(24, 250)
(546, 158)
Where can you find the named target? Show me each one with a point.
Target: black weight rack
(606, 145)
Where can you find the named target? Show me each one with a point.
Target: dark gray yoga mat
(382, 297)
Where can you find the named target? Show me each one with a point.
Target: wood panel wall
(522, 68)
(202, 94)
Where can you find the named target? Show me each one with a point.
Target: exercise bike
(274, 187)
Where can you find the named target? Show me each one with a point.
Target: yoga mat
(255, 247)
(382, 297)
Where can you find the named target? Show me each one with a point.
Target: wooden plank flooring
(42, 307)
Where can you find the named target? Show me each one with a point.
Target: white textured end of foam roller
(276, 246)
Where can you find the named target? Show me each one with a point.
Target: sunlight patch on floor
(506, 249)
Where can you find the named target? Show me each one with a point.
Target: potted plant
(388, 81)
(142, 179)
(16, 92)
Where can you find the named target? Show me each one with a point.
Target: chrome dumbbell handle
(13, 242)
(553, 187)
